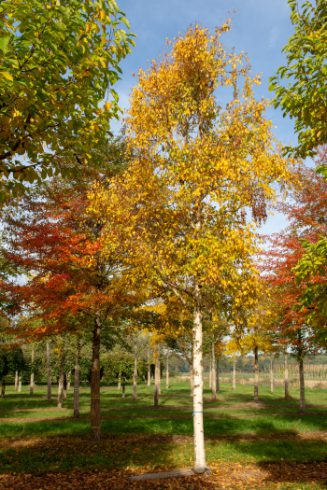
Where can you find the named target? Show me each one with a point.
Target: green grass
(138, 435)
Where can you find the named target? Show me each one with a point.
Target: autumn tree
(71, 287)
(300, 84)
(197, 167)
(302, 323)
(58, 62)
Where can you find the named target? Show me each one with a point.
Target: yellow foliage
(177, 214)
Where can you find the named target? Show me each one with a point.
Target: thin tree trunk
(256, 375)
(123, 387)
(61, 380)
(167, 371)
(213, 372)
(156, 379)
(302, 384)
(32, 371)
(95, 381)
(199, 448)
(286, 381)
(234, 374)
(149, 371)
(16, 380)
(69, 380)
(271, 373)
(77, 377)
(19, 383)
(210, 373)
(134, 394)
(218, 376)
(48, 356)
(65, 386)
(3, 388)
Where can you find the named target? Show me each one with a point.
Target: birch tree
(197, 168)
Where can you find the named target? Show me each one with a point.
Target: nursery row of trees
(158, 233)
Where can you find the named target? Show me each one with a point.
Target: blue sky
(260, 28)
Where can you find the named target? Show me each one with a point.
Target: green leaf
(4, 41)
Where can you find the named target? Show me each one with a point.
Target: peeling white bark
(199, 449)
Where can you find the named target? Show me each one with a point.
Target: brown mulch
(223, 476)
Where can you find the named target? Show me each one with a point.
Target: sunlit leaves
(58, 63)
(179, 211)
(300, 85)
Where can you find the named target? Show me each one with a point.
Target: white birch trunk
(199, 448)
(271, 373)
(213, 372)
(286, 381)
(156, 379)
(210, 373)
(134, 394)
(16, 380)
(60, 395)
(167, 371)
(302, 384)
(19, 383)
(234, 374)
(32, 371)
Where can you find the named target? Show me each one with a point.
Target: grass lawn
(270, 443)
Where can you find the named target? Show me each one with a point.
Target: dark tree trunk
(48, 356)
(256, 374)
(149, 370)
(3, 388)
(95, 381)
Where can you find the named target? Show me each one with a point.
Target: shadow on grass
(41, 455)
(17, 403)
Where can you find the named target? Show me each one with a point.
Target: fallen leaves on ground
(223, 476)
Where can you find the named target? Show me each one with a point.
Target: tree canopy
(300, 85)
(58, 63)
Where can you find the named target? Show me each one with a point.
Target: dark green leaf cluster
(59, 61)
(300, 85)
